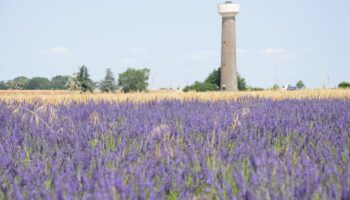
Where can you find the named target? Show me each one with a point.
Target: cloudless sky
(278, 41)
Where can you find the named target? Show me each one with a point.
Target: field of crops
(56, 97)
(282, 145)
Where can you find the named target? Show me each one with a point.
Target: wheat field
(55, 97)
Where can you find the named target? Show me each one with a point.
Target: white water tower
(228, 11)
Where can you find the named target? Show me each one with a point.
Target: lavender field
(248, 148)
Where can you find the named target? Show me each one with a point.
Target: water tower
(228, 11)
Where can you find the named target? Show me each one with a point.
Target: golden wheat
(55, 97)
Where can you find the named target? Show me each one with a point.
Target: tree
(72, 83)
(38, 83)
(242, 84)
(108, 84)
(134, 80)
(3, 85)
(215, 78)
(275, 87)
(85, 84)
(344, 85)
(18, 83)
(81, 81)
(300, 85)
(84, 81)
(59, 82)
(201, 87)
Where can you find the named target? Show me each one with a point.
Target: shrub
(344, 85)
(201, 87)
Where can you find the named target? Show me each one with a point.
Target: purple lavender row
(245, 149)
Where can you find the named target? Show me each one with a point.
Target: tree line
(36, 83)
(132, 80)
(212, 83)
(128, 81)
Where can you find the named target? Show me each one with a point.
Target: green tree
(242, 84)
(275, 87)
(85, 84)
(344, 85)
(73, 84)
(134, 80)
(38, 83)
(300, 85)
(59, 82)
(18, 83)
(3, 85)
(215, 78)
(201, 87)
(108, 84)
(81, 81)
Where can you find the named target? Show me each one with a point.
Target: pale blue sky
(278, 40)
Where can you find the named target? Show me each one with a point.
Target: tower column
(229, 81)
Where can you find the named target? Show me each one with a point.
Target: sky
(278, 41)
